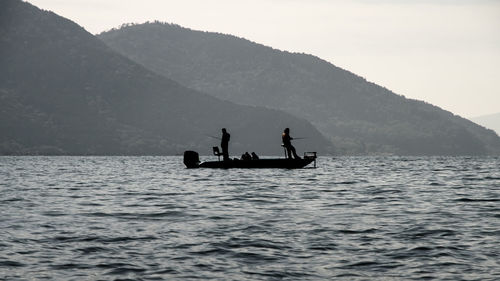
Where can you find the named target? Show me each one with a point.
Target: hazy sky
(445, 52)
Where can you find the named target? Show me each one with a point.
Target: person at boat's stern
(224, 144)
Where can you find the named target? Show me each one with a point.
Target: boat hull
(258, 164)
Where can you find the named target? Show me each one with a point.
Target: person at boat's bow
(290, 149)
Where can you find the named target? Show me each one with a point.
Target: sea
(150, 218)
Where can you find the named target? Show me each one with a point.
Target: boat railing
(311, 155)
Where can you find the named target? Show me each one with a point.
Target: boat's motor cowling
(191, 159)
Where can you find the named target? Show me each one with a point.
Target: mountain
(358, 116)
(63, 91)
(491, 121)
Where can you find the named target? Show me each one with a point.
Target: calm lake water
(149, 218)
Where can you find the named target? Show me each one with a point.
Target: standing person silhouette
(224, 144)
(290, 150)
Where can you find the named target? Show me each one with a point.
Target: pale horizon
(446, 53)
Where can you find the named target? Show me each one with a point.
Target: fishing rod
(213, 137)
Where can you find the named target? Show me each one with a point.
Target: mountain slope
(490, 121)
(63, 91)
(358, 116)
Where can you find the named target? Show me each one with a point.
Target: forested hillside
(63, 91)
(358, 116)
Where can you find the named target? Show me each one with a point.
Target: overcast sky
(445, 52)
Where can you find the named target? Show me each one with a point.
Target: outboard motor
(191, 159)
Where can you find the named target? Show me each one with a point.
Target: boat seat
(216, 151)
(284, 150)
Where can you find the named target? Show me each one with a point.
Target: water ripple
(149, 218)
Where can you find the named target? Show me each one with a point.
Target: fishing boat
(192, 160)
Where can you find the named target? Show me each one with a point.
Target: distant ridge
(358, 116)
(64, 92)
(490, 121)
